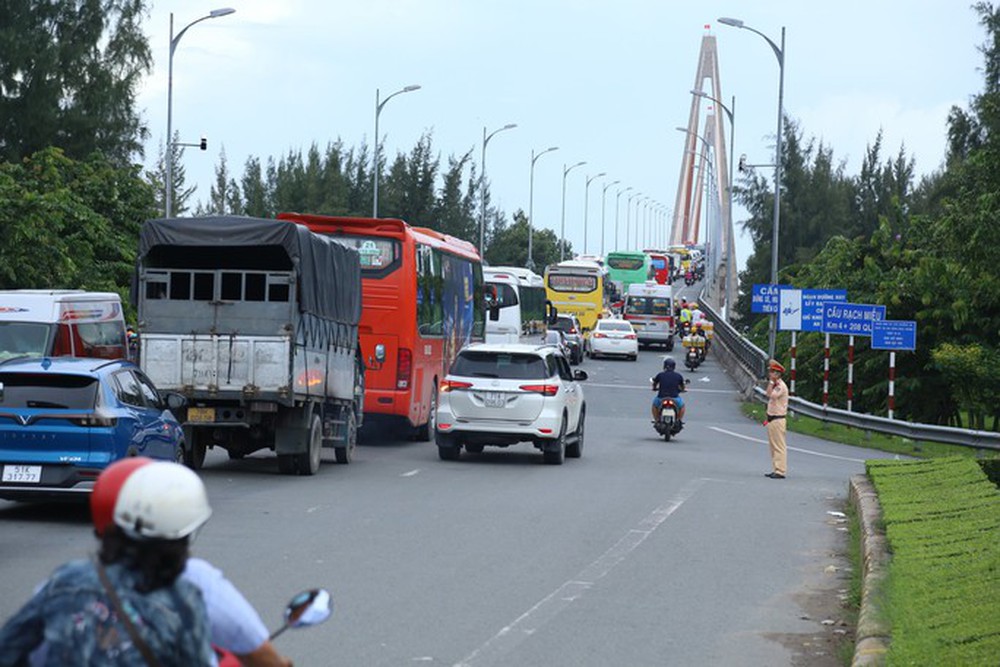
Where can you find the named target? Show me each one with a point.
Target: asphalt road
(640, 553)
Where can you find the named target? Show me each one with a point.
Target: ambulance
(58, 323)
(649, 307)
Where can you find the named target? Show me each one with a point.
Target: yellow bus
(577, 288)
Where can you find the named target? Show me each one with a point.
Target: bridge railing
(747, 365)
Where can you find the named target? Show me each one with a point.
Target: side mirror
(307, 608)
(174, 400)
(579, 375)
(494, 313)
(375, 362)
(551, 313)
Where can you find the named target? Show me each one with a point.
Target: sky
(607, 83)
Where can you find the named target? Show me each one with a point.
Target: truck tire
(345, 454)
(308, 462)
(195, 440)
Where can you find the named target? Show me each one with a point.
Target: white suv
(502, 394)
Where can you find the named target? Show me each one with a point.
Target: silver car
(569, 325)
(503, 394)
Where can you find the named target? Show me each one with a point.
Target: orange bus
(422, 301)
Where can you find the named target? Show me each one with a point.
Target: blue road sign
(764, 298)
(850, 318)
(894, 335)
(802, 309)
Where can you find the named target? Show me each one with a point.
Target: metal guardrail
(747, 364)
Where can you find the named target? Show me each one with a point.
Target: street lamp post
(710, 232)
(617, 211)
(731, 114)
(628, 215)
(604, 193)
(586, 205)
(531, 201)
(168, 197)
(375, 166)
(482, 183)
(562, 230)
(779, 53)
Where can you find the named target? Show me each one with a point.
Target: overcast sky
(606, 82)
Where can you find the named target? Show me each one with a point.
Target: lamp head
(509, 126)
(409, 89)
(736, 23)
(224, 11)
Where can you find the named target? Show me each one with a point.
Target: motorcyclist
(235, 625)
(685, 319)
(699, 341)
(668, 383)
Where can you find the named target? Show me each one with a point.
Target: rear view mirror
(375, 361)
(551, 313)
(580, 375)
(307, 608)
(174, 400)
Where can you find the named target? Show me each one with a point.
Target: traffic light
(203, 145)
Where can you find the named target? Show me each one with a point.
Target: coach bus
(577, 288)
(422, 301)
(518, 300)
(627, 267)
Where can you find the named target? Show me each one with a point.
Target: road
(640, 553)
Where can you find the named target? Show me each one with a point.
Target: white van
(649, 307)
(58, 323)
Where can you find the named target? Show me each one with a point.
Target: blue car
(64, 419)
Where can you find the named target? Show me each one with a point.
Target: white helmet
(162, 501)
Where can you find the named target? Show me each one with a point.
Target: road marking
(560, 599)
(410, 473)
(647, 388)
(794, 449)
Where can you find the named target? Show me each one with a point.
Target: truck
(649, 306)
(255, 322)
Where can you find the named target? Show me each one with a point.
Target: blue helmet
(669, 364)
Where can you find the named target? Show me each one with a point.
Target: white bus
(519, 299)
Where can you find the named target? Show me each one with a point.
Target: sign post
(894, 335)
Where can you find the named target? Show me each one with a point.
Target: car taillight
(630, 336)
(448, 385)
(94, 421)
(404, 365)
(572, 330)
(543, 389)
(600, 335)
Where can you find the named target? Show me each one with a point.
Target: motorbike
(668, 425)
(693, 358)
(689, 279)
(310, 607)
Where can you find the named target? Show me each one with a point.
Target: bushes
(942, 521)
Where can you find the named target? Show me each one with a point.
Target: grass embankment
(942, 522)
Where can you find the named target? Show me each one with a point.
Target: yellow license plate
(201, 414)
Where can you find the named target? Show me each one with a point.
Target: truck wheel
(557, 454)
(308, 462)
(194, 451)
(345, 454)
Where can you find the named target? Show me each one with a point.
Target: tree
(70, 224)
(509, 246)
(70, 71)
(158, 179)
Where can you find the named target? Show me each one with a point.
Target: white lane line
(560, 599)
(410, 473)
(647, 388)
(794, 449)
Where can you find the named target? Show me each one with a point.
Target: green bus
(627, 267)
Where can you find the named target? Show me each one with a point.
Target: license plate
(201, 414)
(494, 399)
(24, 474)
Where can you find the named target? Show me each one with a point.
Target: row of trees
(928, 251)
(71, 201)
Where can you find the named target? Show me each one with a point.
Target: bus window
(562, 282)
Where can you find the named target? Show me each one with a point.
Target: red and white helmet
(151, 500)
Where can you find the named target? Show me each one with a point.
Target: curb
(872, 634)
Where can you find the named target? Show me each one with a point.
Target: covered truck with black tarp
(256, 322)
